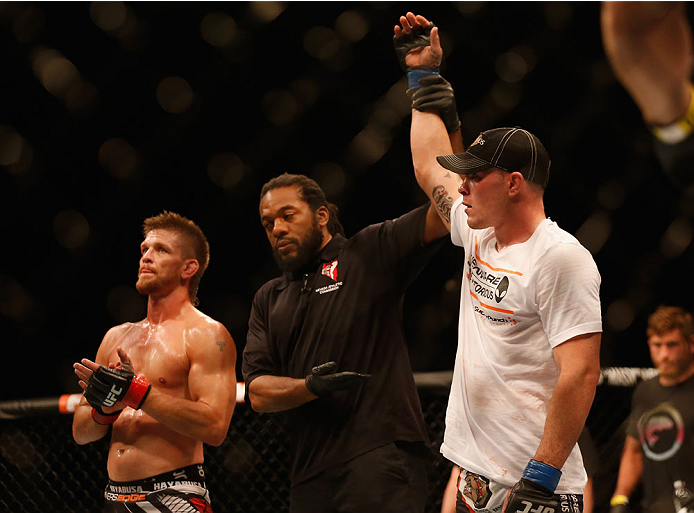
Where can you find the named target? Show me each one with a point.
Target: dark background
(95, 136)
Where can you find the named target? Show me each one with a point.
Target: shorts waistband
(192, 474)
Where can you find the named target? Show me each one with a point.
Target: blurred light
(61, 78)
(11, 144)
(55, 72)
(28, 23)
(620, 315)
(71, 229)
(265, 12)
(601, 75)
(306, 91)
(225, 170)
(384, 117)
(511, 67)
(218, 29)
(174, 95)
(108, 16)
(676, 238)
(505, 96)
(558, 14)
(330, 177)
(396, 99)
(279, 107)
(125, 304)
(352, 26)
(611, 195)
(119, 158)
(119, 21)
(468, 8)
(367, 147)
(321, 42)
(452, 285)
(81, 99)
(15, 301)
(595, 231)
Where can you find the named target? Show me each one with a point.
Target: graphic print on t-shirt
(490, 284)
(661, 432)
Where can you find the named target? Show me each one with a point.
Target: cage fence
(43, 470)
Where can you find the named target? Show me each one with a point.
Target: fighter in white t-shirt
(527, 362)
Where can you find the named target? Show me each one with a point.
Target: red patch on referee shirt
(330, 269)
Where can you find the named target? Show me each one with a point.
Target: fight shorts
(181, 490)
(478, 494)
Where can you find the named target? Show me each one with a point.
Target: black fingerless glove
(108, 386)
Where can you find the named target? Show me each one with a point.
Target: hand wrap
(535, 490)
(324, 381)
(108, 386)
(436, 95)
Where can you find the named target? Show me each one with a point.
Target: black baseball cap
(509, 149)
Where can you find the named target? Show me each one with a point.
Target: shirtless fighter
(165, 384)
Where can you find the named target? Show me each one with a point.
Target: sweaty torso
(140, 445)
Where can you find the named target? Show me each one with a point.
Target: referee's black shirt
(345, 307)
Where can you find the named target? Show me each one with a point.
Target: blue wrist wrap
(414, 76)
(542, 474)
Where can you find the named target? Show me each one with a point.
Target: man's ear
(515, 181)
(322, 216)
(191, 267)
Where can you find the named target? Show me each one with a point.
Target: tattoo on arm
(221, 345)
(443, 201)
(457, 176)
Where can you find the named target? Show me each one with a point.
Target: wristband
(619, 499)
(543, 474)
(414, 75)
(137, 393)
(679, 130)
(104, 418)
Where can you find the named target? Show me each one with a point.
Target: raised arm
(429, 135)
(649, 45)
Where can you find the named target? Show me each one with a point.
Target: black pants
(391, 478)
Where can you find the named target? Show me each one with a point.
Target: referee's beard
(306, 249)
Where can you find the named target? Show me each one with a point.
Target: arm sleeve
(632, 420)
(399, 246)
(568, 292)
(459, 227)
(258, 356)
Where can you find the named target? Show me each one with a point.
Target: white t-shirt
(516, 305)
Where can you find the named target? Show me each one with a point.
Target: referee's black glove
(323, 379)
(435, 94)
